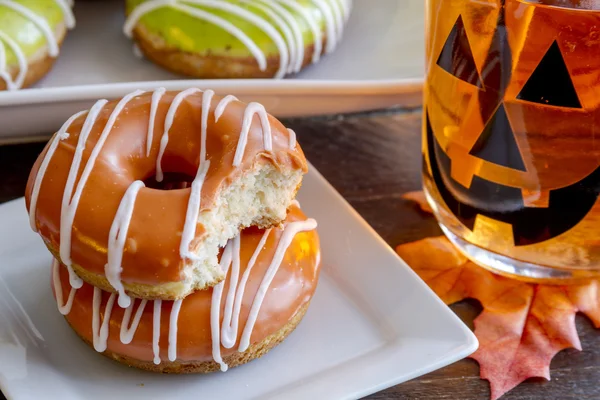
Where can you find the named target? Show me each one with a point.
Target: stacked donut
(177, 243)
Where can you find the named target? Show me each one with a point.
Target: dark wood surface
(372, 159)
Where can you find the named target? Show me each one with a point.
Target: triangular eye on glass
(456, 57)
(550, 83)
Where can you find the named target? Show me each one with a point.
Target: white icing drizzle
(292, 142)
(338, 16)
(156, 331)
(215, 308)
(296, 203)
(156, 96)
(193, 208)
(231, 316)
(288, 235)
(127, 332)
(65, 308)
(294, 37)
(164, 140)
(116, 241)
(100, 332)
(251, 109)
(67, 212)
(65, 6)
(35, 192)
(223, 104)
(21, 59)
(312, 24)
(288, 35)
(346, 8)
(172, 353)
(289, 43)
(330, 24)
(229, 327)
(70, 204)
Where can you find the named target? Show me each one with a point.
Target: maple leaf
(522, 325)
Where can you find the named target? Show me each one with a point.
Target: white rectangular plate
(372, 324)
(379, 63)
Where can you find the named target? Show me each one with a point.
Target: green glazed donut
(236, 38)
(31, 32)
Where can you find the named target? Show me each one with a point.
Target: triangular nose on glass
(497, 143)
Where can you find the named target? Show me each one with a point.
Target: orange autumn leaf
(418, 197)
(522, 325)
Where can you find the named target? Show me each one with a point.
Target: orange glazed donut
(94, 194)
(271, 277)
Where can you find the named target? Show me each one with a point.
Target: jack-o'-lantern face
(512, 114)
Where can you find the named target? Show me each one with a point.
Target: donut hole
(171, 181)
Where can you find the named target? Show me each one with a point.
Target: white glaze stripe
(164, 140)
(228, 336)
(127, 332)
(215, 308)
(296, 35)
(100, 332)
(194, 201)
(312, 24)
(116, 241)
(35, 191)
(338, 16)
(172, 353)
(330, 25)
(156, 96)
(71, 209)
(67, 211)
(156, 331)
(40, 22)
(292, 142)
(288, 35)
(251, 109)
(285, 240)
(2, 56)
(231, 319)
(21, 59)
(67, 13)
(222, 105)
(65, 308)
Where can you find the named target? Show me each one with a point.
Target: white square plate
(372, 324)
(379, 63)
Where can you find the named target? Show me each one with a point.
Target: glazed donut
(236, 38)
(31, 33)
(272, 275)
(96, 193)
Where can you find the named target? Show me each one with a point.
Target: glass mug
(511, 113)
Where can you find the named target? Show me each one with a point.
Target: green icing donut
(23, 31)
(185, 32)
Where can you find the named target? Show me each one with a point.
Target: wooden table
(372, 159)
